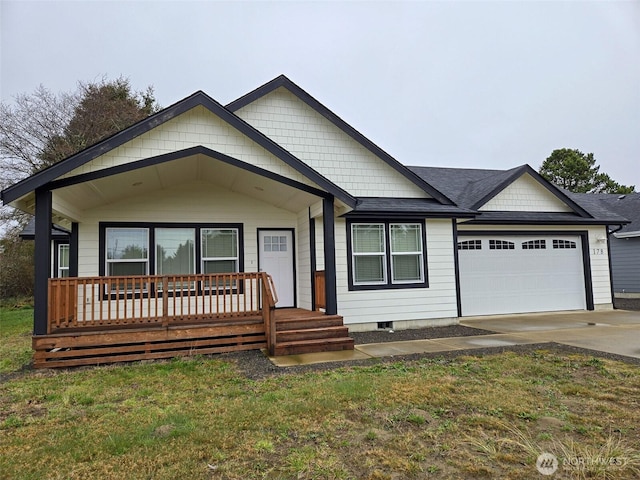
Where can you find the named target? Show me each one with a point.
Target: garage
(501, 274)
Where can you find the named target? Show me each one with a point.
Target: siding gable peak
(282, 82)
(523, 189)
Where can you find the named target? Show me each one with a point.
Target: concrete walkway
(612, 331)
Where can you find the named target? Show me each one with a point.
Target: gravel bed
(380, 336)
(627, 303)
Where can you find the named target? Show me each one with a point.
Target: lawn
(201, 418)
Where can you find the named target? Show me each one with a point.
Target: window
(274, 243)
(165, 249)
(386, 255)
(534, 245)
(127, 251)
(563, 244)
(470, 245)
(219, 250)
(368, 245)
(406, 253)
(63, 260)
(501, 245)
(175, 251)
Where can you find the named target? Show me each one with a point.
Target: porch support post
(73, 250)
(42, 260)
(328, 224)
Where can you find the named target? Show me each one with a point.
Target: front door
(276, 255)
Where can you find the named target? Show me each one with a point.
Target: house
(624, 243)
(59, 247)
(208, 228)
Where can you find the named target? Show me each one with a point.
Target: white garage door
(520, 274)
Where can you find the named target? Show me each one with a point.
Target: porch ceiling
(196, 168)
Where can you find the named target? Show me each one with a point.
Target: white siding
(193, 203)
(410, 307)
(321, 144)
(526, 194)
(303, 261)
(598, 256)
(195, 127)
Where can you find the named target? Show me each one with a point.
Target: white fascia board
(627, 234)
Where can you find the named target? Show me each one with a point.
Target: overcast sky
(460, 84)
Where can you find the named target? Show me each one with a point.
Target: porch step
(315, 345)
(308, 322)
(308, 332)
(284, 336)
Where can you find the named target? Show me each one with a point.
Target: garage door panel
(521, 280)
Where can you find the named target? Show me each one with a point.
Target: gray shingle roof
(468, 186)
(371, 206)
(625, 206)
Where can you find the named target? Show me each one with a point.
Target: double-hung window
(63, 260)
(386, 255)
(219, 250)
(369, 254)
(127, 251)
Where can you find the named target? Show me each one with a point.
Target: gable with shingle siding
(318, 142)
(527, 195)
(195, 127)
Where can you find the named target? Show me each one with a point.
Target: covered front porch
(97, 320)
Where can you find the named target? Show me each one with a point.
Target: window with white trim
(175, 251)
(127, 251)
(63, 260)
(386, 255)
(219, 250)
(406, 253)
(164, 249)
(369, 253)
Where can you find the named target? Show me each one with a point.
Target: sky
(457, 84)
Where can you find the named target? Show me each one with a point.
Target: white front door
(276, 259)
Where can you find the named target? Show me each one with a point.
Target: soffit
(196, 168)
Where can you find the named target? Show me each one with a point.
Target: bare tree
(40, 129)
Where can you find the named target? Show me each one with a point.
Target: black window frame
(151, 226)
(388, 285)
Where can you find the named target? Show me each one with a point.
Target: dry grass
(201, 418)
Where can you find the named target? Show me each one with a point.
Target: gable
(204, 123)
(317, 141)
(525, 194)
(196, 127)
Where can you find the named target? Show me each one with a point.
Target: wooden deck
(103, 320)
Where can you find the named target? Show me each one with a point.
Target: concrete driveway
(611, 331)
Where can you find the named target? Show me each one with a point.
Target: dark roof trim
(283, 81)
(197, 99)
(520, 171)
(548, 221)
(408, 215)
(188, 152)
(57, 232)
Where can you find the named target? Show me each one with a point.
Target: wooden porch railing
(319, 290)
(94, 302)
